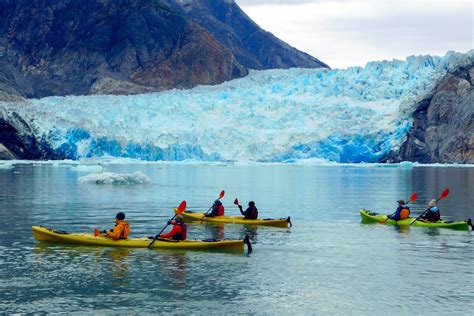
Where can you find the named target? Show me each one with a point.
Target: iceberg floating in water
(353, 115)
(115, 178)
(6, 166)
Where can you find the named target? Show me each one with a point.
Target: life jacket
(433, 214)
(220, 210)
(184, 234)
(253, 213)
(404, 213)
(179, 231)
(121, 230)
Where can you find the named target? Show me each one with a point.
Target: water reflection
(251, 231)
(178, 261)
(116, 258)
(214, 231)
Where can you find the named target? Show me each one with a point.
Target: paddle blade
(222, 194)
(412, 198)
(181, 208)
(236, 201)
(444, 194)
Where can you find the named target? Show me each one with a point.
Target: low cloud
(353, 32)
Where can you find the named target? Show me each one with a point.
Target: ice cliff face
(353, 115)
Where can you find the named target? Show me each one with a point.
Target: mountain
(252, 46)
(443, 123)
(69, 47)
(370, 114)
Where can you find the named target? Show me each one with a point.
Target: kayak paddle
(410, 200)
(443, 195)
(221, 195)
(181, 208)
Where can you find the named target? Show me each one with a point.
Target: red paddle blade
(444, 194)
(412, 197)
(181, 207)
(222, 194)
(236, 201)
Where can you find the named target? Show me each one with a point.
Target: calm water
(328, 263)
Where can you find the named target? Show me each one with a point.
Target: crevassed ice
(352, 115)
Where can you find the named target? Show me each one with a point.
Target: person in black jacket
(251, 212)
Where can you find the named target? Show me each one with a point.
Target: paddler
(432, 213)
(402, 212)
(217, 209)
(179, 230)
(121, 229)
(251, 212)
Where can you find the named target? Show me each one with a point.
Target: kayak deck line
(369, 217)
(190, 216)
(45, 234)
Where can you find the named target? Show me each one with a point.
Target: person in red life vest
(217, 209)
(121, 229)
(179, 230)
(402, 212)
(251, 212)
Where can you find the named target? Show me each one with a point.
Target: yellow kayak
(192, 216)
(49, 235)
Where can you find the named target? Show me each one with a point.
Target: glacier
(343, 115)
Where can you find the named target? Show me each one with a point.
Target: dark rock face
(65, 47)
(131, 46)
(443, 129)
(17, 140)
(252, 46)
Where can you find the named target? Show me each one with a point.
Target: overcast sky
(345, 33)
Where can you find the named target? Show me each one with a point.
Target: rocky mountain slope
(252, 46)
(129, 46)
(443, 124)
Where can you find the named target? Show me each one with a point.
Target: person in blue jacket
(402, 212)
(432, 213)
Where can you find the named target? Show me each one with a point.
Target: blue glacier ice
(352, 115)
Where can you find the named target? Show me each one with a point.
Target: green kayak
(369, 217)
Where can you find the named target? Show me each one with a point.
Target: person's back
(217, 209)
(432, 213)
(402, 212)
(251, 212)
(179, 230)
(121, 229)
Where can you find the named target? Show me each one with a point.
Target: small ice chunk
(115, 178)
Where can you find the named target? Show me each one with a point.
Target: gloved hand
(103, 232)
(157, 236)
(169, 223)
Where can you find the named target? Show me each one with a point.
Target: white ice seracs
(353, 115)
